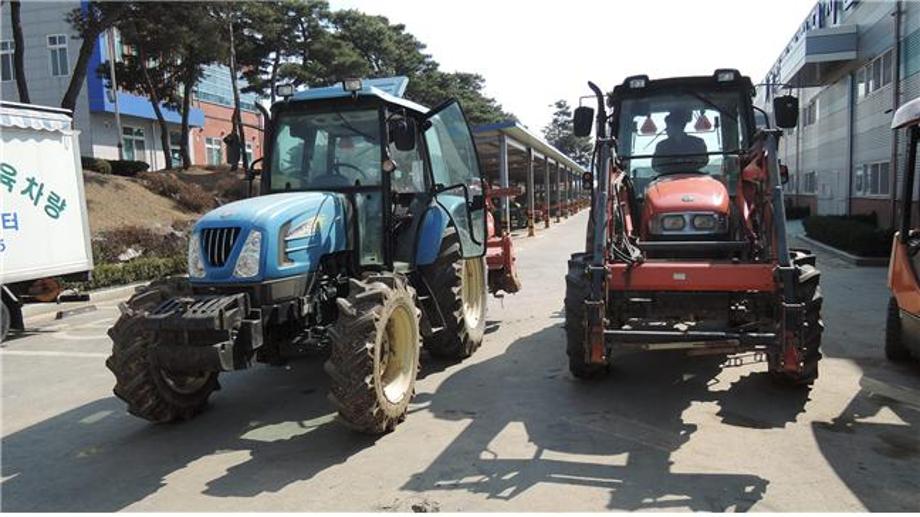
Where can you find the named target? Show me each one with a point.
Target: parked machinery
(902, 335)
(686, 246)
(369, 240)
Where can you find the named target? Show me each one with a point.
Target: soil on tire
(355, 361)
(139, 381)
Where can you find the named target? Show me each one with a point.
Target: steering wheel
(336, 165)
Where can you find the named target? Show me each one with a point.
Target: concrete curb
(856, 260)
(65, 309)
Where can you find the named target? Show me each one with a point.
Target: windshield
(684, 132)
(326, 150)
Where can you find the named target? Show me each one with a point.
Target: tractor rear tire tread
(577, 289)
(456, 340)
(351, 364)
(139, 382)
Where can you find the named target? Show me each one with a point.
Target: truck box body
(44, 225)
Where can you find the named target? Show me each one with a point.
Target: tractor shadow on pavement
(274, 424)
(541, 426)
(878, 459)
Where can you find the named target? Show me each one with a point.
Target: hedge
(858, 235)
(137, 270)
(96, 164)
(128, 168)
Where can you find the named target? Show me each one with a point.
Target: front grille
(217, 244)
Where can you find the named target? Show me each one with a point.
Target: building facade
(51, 49)
(851, 64)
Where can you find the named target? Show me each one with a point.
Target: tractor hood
(686, 193)
(295, 230)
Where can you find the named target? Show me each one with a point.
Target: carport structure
(513, 156)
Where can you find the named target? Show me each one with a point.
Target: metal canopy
(519, 139)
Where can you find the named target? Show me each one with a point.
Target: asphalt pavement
(506, 430)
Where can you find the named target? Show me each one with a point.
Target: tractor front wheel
(808, 292)
(151, 392)
(374, 355)
(577, 290)
(459, 285)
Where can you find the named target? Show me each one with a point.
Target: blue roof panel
(389, 89)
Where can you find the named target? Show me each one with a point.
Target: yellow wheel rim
(397, 355)
(472, 292)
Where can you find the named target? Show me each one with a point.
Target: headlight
(195, 264)
(247, 265)
(673, 223)
(706, 222)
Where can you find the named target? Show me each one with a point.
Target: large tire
(895, 350)
(577, 289)
(459, 287)
(150, 392)
(808, 291)
(374, 355)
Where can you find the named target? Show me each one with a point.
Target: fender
(430, 233)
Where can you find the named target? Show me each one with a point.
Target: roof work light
(352, 85)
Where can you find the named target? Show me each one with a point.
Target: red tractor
(686, 245)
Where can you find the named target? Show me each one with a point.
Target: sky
(534, 53)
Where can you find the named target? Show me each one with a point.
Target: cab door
(457, 175)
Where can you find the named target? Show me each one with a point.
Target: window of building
(859, 179)
(861, 83)
(134, 145)
(7, 70)
(57, 49)
(809, 182)
(873, 179)
(249, 153)
(878, 74)
(213, 151)
(810, 113)
(175, 146)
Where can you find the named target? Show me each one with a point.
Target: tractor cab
(389, 159)
(679, 140)
(902, 337)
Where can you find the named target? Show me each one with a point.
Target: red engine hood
(686, 193)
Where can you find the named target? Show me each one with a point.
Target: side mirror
(402, 134)
(583, 120)
(587, 181)
(786, 111)
(783, 174)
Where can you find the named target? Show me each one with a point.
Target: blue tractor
(366, 243)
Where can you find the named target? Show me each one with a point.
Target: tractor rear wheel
(374, 357)
(894, 340)
(151, 392)
(459, 287)
(577, 289)
(808, 292)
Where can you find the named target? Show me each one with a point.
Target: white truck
(44, 225)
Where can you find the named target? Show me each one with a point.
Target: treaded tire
(138, 380)
(577, 289)
(894, 344)
(808, 292)
(356, 362)
(459, 337)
